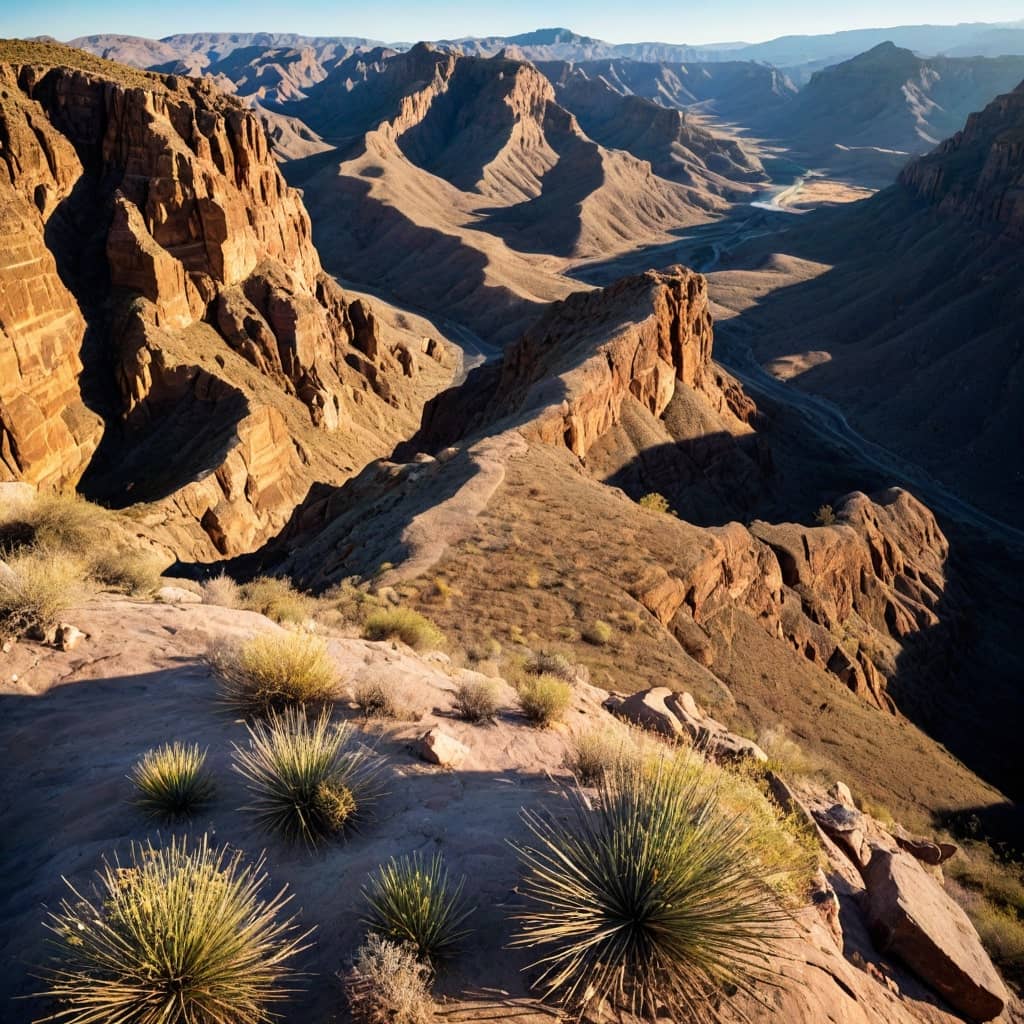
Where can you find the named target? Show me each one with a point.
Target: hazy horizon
(731, 21)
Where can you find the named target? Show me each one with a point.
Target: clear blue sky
(674, 22)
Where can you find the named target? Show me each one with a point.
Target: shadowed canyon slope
(168, 336)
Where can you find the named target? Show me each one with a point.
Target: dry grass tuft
(39, 586)
(223, 591)
(274, 670)
(598, 633)
(592, 753)
(127, 570)
(406, 625)
(478, 700)
(388, 985)
(544, 699)
(277, 599)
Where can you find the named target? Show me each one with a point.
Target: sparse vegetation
(127, 570)
(407, 625)
(598, 633)
(478, 700)
(277, 599)
(40, 586)
(825, 516)
(593, 752)
(410, 900)
(486, 650)
(222, 590)
(275, 669)
(376, 699)
(310, 779)
(655, 502)
(550, 663)
(172, 781)
(388, 985)
(544, 699)
(649, 899)
(57, 522)
(181, 935)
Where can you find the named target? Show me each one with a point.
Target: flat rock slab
(911, 916)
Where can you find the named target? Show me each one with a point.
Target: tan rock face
(200, 229)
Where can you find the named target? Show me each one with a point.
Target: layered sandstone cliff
(199, 266)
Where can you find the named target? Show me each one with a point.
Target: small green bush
(655, 502)
(594, 752)
(414, 902)
(551, 663)
(60, 522)
(598, 633)
(127, 570)
(650, 899)
(277, 599)
(407, 625)
(825, 516)
(544, 699)
(388, 985)
(172, 781)
(273, 670)
(181, 935)
(310, 779)
(478, 700)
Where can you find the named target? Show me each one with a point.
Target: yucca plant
(310, 779)
(180, 936)
(411, 901)
(649, 899)
(172, 781)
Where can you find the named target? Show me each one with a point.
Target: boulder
(840, 792)
(177, 595)
(649, 710)
(928, 851)
(68, 637)
(437, 747)
(912, 917)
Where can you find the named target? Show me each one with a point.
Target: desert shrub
(60, 522)
(222, 590)
(597, 633)
(388, 985)
(593, 752)
(309, 778)
(655, 502)
(544, 699)
(379, 700)
(38, 589)
(411, 901)
(275, 669)
(786, 756)
(277, 599)
(172, 781)
(825, 516)
(407, 625)
(127, 570)
(486, 650)
(648, 899)
(350, 599)
(550, 663)
(181, 935)
(477, 700)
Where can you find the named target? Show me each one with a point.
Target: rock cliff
(978, 173)
(199, 263)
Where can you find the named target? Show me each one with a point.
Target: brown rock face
(47, 434)
(226, 339)
(912, 917)
(640, 337)
(979, 172)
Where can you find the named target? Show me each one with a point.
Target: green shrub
(655, 502)
(181, 935)
(478, 700)
(223, 591)
(597, 633)
(59, 522)
(40, 586)
(544, 699)
(273, 670)
(388, 985)
(593, 752)
(407, 625)
(277, 599)
(413, 902)
(551, 663)
(825, 516)
(172, 781)
(310, 779)
(649, 899)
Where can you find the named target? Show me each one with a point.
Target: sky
(673, 22)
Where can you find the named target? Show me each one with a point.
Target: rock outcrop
(978, 173)
(196, 260)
